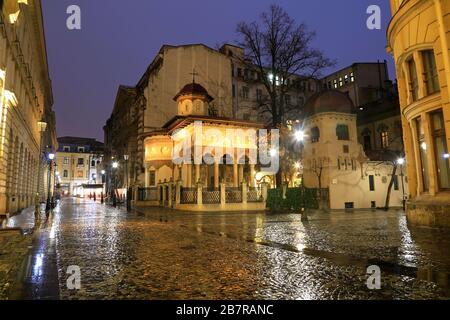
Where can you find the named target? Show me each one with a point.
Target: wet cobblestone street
(161, 254)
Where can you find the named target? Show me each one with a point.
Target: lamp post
(115, 165)
(103, 185)
(401, 162)
(126, 157)
(51, 156)
(41, 127)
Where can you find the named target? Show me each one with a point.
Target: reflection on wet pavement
(161, 254)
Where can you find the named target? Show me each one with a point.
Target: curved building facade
(419, 40)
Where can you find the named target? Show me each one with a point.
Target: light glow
(401, 161)
(299, 135)
(115, 165)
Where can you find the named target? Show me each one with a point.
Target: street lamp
(51, 156)
(41, 128)
(299, 135)
(126, 157)
(401, 162)
(115, 165)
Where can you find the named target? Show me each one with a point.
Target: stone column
(241, 173)
(244, 192)
(264, 191)
(189, 175)
(169, 195)
(222, 194)
(197, 173)
(235, 175)
(216, 175)
(199, 194)
(178, 192)
(252, 176)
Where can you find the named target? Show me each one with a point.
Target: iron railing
(148, 194)
(253, 195)
(188, 195)
(233, 195)
(211, 196)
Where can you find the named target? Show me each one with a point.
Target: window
(66, 160)
(367, 142)
(245, 92)
(246, 117)
(346, 79)
(440, 149)
(342, 132)
(80, 162)
(287, 99)
(80, 174)
(346, 149)
(352, 77)
(234, 90)
(349, 205)
(396, 182)
(80, 149)
(340, 82)
(232, 69)
(431, 73)
(65, 173)
(259, 95)
(315, 134)
(66, 149)
(372, 183)
(93, 163)
(239, 71)
(152, 178)
(413, 82)
(301, 101)
(335, 83)
(384, 135)
(423, 154)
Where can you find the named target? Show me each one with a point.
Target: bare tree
(277, 48)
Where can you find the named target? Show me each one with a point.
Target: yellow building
(25, 100)
(79, 166)
(419, 40)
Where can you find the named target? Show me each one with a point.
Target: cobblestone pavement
(161, 254)
(14, 247)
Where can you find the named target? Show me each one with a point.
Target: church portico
(199, 162)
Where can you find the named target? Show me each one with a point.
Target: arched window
(315, 134)
(342, 132)
(367, 140)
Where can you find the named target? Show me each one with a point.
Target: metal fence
(233, 195)
(253, 195)
(188, 195)
(148, 194)
(211, 196)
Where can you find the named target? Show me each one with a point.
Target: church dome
(193, 89)
(328, 101)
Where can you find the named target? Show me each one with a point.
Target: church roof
(193, 89)
(329, 101)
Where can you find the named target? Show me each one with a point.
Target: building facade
(79, 166)
(334, 160)
(25, 104)
(418, 38)
(363, 82)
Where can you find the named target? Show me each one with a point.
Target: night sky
(120, 38)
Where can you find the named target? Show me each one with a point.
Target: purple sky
(120, 38)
